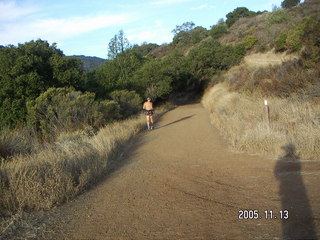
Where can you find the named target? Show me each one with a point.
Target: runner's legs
(151, 121)
(148, 121)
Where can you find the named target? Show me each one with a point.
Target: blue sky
(85, 27)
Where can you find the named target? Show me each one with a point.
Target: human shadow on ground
(293, 195)
(181, 119)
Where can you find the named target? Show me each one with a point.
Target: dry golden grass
(65, 168)
(242, 120)
(14, 142)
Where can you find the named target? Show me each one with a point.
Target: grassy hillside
(283, 68)
(269, 26)
(280, 30)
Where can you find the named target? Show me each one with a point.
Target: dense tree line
(28, 70)
(43, 88)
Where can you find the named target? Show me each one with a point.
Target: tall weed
(17, 141)
(242, 120)
(282, 80)
(65, 168)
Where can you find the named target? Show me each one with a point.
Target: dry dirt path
(268, 58)
(180, 181)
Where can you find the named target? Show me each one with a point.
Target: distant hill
(90, 63)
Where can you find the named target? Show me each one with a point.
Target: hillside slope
(282, 67)
(236, 105)
(90, 63)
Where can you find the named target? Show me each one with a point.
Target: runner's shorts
(149, 112)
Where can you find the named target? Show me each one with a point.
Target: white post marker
(267, 113)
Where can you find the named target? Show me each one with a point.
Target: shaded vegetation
(28, 70)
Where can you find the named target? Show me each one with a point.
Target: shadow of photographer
(294, 197)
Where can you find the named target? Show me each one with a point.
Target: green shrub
(295, 36)
(176, 66)
(211, 57)
(278, 17)
(188, 34)
(280, 42)
(144, 49)
(27, 71)
(249, 42)
(294, 39)
(311, 40)
(153, 79)
(62, 109)
(197, 34)
(105, 112)
(238, 13)
(218, 31)
(289, 3)
(129, 101)
(230, 55)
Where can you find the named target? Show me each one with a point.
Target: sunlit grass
(64, 169)
(242, 121)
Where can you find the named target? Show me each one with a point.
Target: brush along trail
(181, 181)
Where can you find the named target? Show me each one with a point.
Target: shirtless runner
(148, 107)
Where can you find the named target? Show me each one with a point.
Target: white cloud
(156, 34)
(66, 28)
(167, 2)
(21, 21)
(203, 6)
(159, 23)
(58, 29)
(10, 11)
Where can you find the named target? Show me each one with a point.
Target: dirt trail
(182, 182)
(268, 58)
